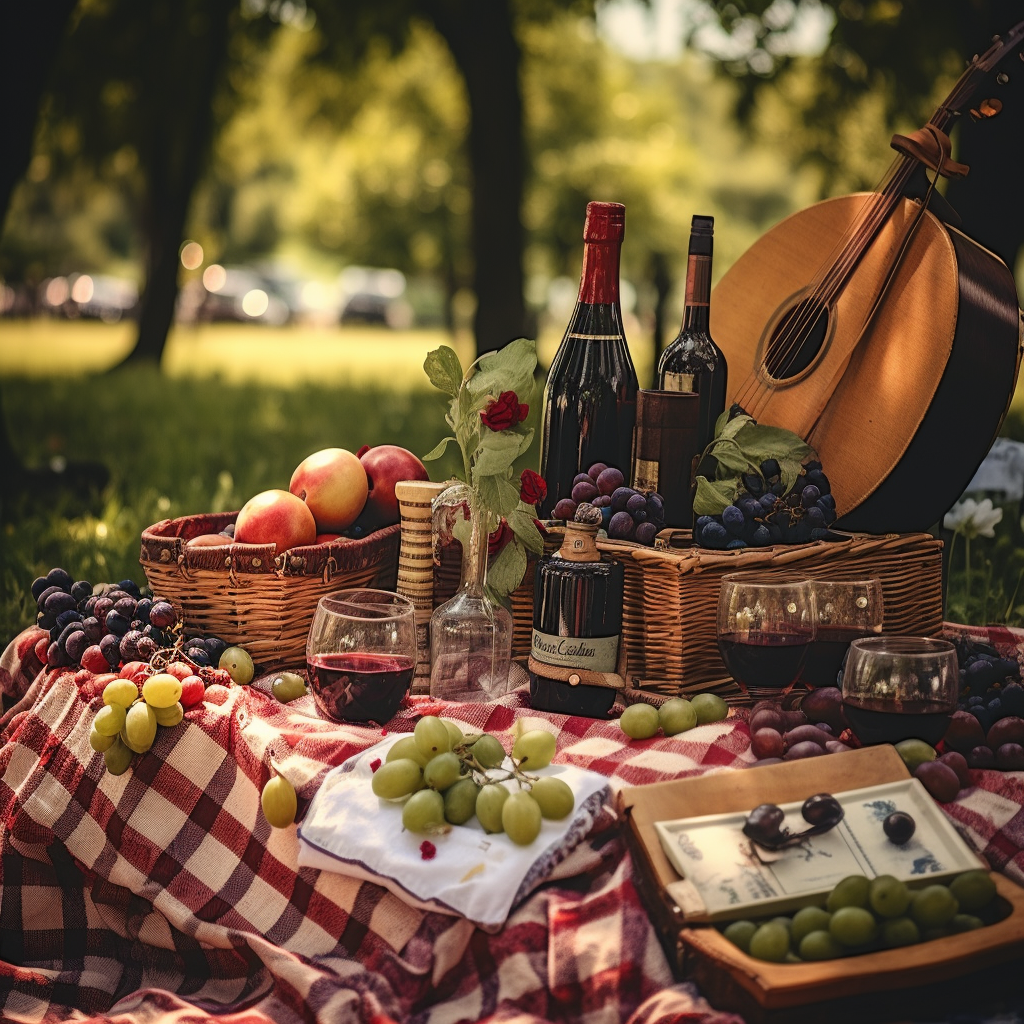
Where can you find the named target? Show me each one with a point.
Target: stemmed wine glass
(846, 610)
(899, 687)
(765, 626)
(361, 654)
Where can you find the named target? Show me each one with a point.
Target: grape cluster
(765, 512)
(862, 915)
(445, 778)
(988, 726)
(777, 734)
(642, 721)
(627, 514)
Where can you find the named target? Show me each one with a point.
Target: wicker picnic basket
(247, 595)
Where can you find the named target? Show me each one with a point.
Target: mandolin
(876, 329)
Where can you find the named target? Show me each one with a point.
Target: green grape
(820, 945)
(521, 818)
(933, 906)
(900, 931)
(406, 747)
(488, 751)
(460, 801)
(888, 896)
(279, 802)
(454, 733)
(120, 691)
(770, 942)
(442, 771)
(974, 890)
(169, 716)
(534, 749)
(786, 922)
(489, 802)
(915, 752)
(140, 727)
(739, 933)
(424, 811)
(852, 891)
(807, 920)
(639, 721)
(117, 757)
(109, 720)
(555, 798)
(162, 690)
(709, 707)
(288, 686)
(676, 715)
(966, 923)
(431, 736)
(237, 663)
(853, 926)
(99, 742)
(396, 779)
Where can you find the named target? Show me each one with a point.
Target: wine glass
(361, 654)
(846, 610)
(765, 626)
(899, 687)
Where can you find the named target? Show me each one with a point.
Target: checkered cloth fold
(162, 894)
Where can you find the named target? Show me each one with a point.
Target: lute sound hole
(796, 340)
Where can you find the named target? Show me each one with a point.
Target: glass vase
(470, 634)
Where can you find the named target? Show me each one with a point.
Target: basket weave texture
(671, 599)
(248, 595)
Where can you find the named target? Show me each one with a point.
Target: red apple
(275, 517)
(333, 483)
(385, 466)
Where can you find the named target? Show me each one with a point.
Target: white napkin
(472, 874)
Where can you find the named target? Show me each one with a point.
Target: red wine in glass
(360, 687)
(826, 652)
(878, 720)
(764, 663)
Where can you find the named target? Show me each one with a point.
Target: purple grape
(142, 609)
(75, 645)
(581, 478)
(596, 470)
(584, 491)
(81, 590)
(39, 584)
(116, 623)
(71, 627)
(609, 480)
(131, 588)
(601, 501)
(764, 823)
(822, 809)
(645, 533)
(809, 495)
(733, 519)
(636, 503)
(61, 578)
(621, 526)
(92, 629)
(655, 506)
(620, 496)
(110, 649)
(162, 614)
(899, 827)
(58, 602)
(126, 607)
(71, 615)
(564, 509)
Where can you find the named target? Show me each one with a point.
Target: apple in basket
(386, 465)
(275, 517)
(333, 483)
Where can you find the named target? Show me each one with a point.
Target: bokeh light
(191, 255)
(214, 277)
(255, 302)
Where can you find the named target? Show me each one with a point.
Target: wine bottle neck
(599, 280)
(698, 293)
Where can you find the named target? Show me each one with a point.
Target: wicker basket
(245, 595)
(671, 597)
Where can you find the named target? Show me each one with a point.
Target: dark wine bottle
(590, 396)
(693, 362)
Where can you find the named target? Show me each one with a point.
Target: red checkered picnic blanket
(162, 894)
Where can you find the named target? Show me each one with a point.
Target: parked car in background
(238, 294)
(371, 295)
(91, 297)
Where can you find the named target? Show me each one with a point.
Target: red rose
(499, 538)
(504, 412)
(532, 487)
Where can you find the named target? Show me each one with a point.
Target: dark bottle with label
(590, 396)
(693, 362)
(577, 622)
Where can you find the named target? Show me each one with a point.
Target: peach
(275, 517)
(333, 483)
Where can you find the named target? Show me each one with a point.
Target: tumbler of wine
(361, 654)
(765, 627)
(847, 610)
(900, 687)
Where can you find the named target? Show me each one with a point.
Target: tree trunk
(482, 41)
(173, 154)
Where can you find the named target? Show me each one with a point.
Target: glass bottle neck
(599, 279)
(474, 552)
(698, 294)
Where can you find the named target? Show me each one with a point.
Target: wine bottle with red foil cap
(590, 396)
(693, 362)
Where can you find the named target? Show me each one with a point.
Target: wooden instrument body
(906, 392)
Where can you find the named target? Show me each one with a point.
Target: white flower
(973, 518)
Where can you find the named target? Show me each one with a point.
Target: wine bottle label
(596, 653)
(645, 475)
(679, 381)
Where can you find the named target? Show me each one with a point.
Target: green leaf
(509, 369)
(444, 370)
(713, 495)
(498, 494)
(789, 470)
(760, 442)
(521, 522)
(438, 450)
(507, 571)
(496, 452)
(725, 427)
(729, 457)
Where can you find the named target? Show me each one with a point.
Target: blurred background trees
(460, 147)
